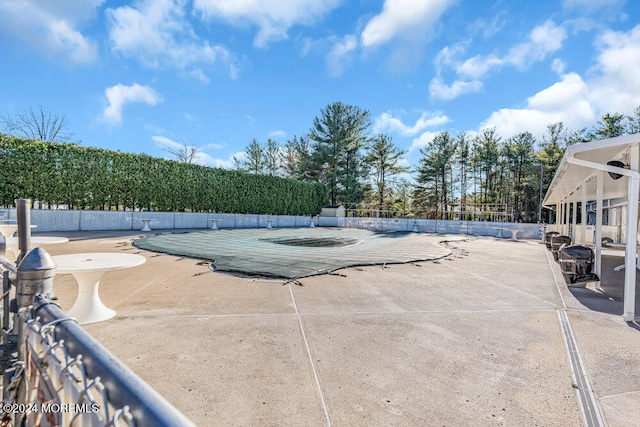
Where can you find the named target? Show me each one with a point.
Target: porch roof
(570, 176)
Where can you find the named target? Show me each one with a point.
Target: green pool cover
(297, 252)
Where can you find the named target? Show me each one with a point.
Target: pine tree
(272, 157)
(339, 134)
(434, 185)
(610, 126)
(254, 159)
(383, 157)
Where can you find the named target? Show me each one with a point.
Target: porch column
(565, 218)
(598, 235)
(574, 221)
(583, 209)
(632, 238)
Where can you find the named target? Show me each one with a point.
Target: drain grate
(588, 405)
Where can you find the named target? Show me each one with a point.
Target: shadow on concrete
(634, 325)
(611, 297)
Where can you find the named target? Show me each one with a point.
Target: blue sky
(140, 76)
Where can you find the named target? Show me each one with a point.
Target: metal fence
(54, 372)
(465, 212)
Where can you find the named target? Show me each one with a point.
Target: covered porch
(595, 173)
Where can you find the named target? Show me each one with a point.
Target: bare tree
(38, 123)
(184, 153)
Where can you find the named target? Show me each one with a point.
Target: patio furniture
(512, 231)
(88, 269)
(145, 223)
(576, 263)
(557, 242)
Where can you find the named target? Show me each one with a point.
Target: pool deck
(472, 339)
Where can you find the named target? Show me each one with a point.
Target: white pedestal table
(88, 269)
(7, 230)
(13, 244)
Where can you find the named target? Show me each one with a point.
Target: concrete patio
(471, 339)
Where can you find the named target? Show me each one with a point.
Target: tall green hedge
(94, 178)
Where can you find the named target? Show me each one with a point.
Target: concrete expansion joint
(631, 422)
(410, 312)
(313, 365)
(608, 396)
(201, 316)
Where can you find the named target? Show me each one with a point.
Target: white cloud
(591, 6)
(386, 122)
(422, 141)
(157, 34)
(164, 142)
(616, 88)
(120, 95)
(489, 28)
(191, 117)
(339, 56)
(571, 89)
(250, 119)
(278, 133)
(543, 40)
(273, 18)
(558, 66)
(338, 52)
(612, 88)
(478, 66)
(448, 56)
(53, 27)
(440, 90)
(407, 19)
(404, 24)
(227, 163)
(565, 101)
(197, 74)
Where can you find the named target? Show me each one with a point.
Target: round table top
(95, 262)
(10, 229)
(39, 240)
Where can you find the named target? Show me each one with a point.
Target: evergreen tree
(401, 195)
(299, 160)
(610, 126)
(464, 161)
(290, 159)
(552, 149)
(577, 137)
(488, 156)
(633, 121)
(383, 157)
(520, 155)
(272, 157)
(254, 160)
(339, 134)
(433, 191)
